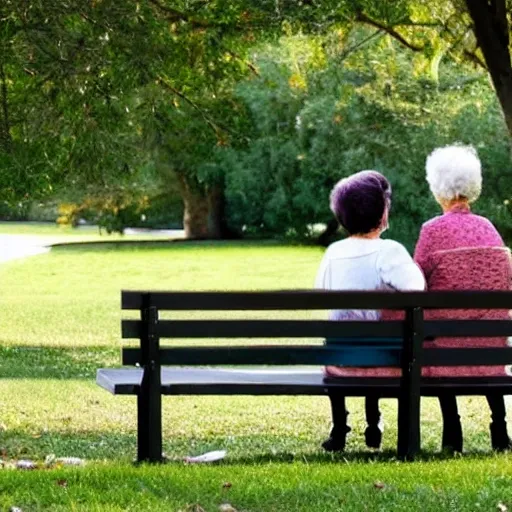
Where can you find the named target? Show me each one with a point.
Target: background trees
(249, 111)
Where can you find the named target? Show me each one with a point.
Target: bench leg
(149, 420)
(408, 425)
(409, 397)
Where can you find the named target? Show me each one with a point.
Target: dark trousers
(452, 429)
(340, 413)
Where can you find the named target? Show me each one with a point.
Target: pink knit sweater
(463, 251)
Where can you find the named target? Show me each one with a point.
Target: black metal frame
(400, 343)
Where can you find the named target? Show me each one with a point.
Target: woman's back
(462, 251)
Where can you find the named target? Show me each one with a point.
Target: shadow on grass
(19, 444)
(27, 362)
(385, 456)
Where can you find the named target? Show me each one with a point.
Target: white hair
(454, 172)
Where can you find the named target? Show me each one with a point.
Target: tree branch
(216, 127)
(175, 15)
(473, 57)
(363, 18)
(361, 44)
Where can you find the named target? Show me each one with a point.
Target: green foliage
(374, 109)
(273, 102)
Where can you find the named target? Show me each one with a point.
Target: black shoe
(334, 444)
(452, 440)
(499, 437)
(373, 436)
(337, 440)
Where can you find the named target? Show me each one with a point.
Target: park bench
(173, 370)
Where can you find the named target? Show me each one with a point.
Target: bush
(369, 113)
(119, 210)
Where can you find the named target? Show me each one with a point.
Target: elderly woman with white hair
(463, 251)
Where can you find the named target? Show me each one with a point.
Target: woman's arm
(398, 270)
(323, 276)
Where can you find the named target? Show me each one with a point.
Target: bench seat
(208, 381)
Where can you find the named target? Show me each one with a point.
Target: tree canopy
(246, 108)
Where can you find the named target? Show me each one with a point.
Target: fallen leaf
(379, 485)
(501, 507)
(193, 508)
(62, 482)
(226, 507)
(227, 485)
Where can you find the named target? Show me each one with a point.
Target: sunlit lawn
(59, 321)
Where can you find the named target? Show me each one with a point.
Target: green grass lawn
(59, 318)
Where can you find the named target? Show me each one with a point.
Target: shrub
(360, 114)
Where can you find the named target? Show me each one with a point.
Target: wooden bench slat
(313, 328)
(319, 355)
(314, 299)
(206, 381)
(491, 356)
(271, 355)
(264, 329)
(468, 328)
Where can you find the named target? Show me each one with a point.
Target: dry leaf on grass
(379, 485)
(193, 508)
(62, 483)
(227, 485)
(226, 507)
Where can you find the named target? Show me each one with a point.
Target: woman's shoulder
(392, 248)
(433, 223)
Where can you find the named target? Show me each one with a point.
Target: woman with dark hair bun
(363, 261)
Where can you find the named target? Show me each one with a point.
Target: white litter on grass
(207, 457)
(26, 464)
(51, 460)
(70, 461)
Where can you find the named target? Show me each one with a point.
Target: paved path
(20, 246)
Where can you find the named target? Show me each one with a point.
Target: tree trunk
(491, 30)
(5, 134)
(215, 201)
(203, 216)
(328, 236)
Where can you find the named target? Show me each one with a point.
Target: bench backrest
(393, 343)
